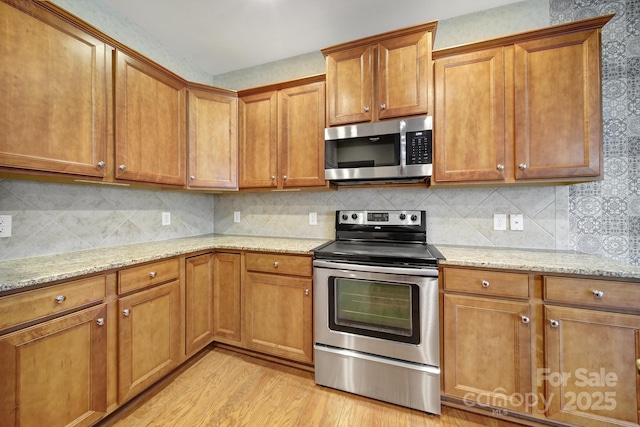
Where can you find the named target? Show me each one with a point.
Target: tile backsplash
(55, 218)
(454, 216)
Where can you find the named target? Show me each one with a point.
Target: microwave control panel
(419, 147)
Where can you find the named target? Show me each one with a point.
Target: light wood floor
(224, 388)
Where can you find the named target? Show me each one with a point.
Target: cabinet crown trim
(571, 27)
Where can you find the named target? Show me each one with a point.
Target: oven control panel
(379, 217)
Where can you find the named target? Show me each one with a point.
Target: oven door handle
(423, 272)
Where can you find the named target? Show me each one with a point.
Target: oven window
(376, 309)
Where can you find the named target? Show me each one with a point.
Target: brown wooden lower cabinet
(199, 302)
(55, 373)
(227, 311)
(590, 376)
(148, 337)
(487, 350)
(278, 315)
(568, 354)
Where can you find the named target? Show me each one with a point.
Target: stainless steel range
(376, 318)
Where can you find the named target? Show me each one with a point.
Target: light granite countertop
(22, 273)
(25, 272)
(538, 260)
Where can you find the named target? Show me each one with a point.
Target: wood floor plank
(224, 388)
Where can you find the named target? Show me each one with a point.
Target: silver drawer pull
(100, 321)
(306, 291)
(60, 299)
(597, 293)
(275, 264)
(126, 312)
(525, 319)
(485, 284)
(554, 323)
(153, 274)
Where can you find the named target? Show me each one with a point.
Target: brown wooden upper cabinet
(150, 123)
(521, 108)
(53, 93)
(213, 140)
(380, 77)
(281, 135)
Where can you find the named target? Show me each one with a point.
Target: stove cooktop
(380, 253)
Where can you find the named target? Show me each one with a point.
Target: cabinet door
(301, 135)
(226, 296)
(350, 86)
(591, 377)
(404, 73)
(213, 142)
(278, 315)
(558, 123)
(148, 337)
(258, 140)
(199, 302)
(470, 129)
(487, 351)
(53, 91)
(55, 373)
(150, 124)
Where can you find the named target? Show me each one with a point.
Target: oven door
(384, 311)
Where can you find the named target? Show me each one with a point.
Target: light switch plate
(5, 225)
(517, 222)
(313, 218)
(166, 218)
(500, 222)
(236, 216)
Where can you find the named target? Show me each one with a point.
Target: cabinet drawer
(32, 305)
(592, 292)
(278, 263)
(148, 275)
(485, 282)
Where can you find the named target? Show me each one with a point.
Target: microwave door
(363, 157)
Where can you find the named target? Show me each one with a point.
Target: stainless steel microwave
(395, 150)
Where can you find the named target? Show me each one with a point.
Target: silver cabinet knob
(554, 323)
(500, 167)
(485, 284)
(126, 312)
(122, 167)
(275, 264)
(284, 177)
(273, 178)
(101, 164)
(524, 319)
(192, 177)
(366, 109)
(383, 106)
(306, 291)
(597, 293)
(60, 299)
(153, 274)
(100, 321)
(522, 166)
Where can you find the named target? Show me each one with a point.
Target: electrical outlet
(500, 222)
(517, 222)
(166, 218)
(313, 218)
(5, 225)
(236, 216)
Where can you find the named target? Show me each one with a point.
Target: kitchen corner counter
(538, 260)
(17, 274)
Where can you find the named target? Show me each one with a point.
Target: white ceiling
(227, 35)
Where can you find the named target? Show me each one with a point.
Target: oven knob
(414, 217)
(345, 217)
(354, 216)
(403, 217)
